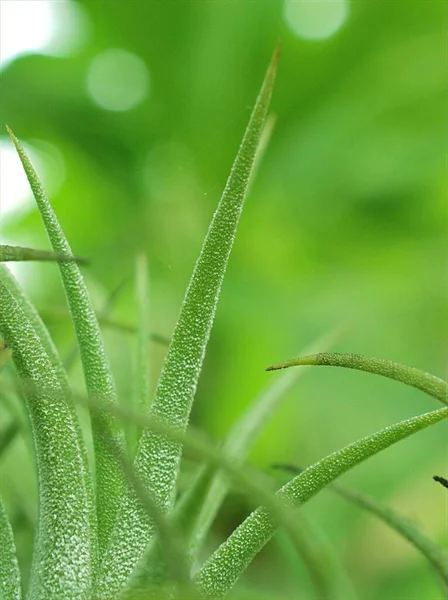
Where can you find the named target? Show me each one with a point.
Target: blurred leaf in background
(132, 113)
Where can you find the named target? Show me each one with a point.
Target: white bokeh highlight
(15, 193)
(117, 80)
(315, 19)
(55, 28)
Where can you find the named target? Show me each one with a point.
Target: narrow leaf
(437, 556)
(430, 384)
(225, 566)
(97, 373)
(103, 313)
(198, 447)
(170, 546)
(10, 588)
(21, 253)
(157, 459)
(142, 387)
(65, 500)
(236, 446)
(53, 315)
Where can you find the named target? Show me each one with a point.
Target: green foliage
(230, 560)
(210, 488)
(5, 354)
(430, 384)
(9, 567)
(65, 498)
(143, 372)
(437, 556)
(98, 377)
(145, 543)
(157, 460)
(323, 564)
(19, 253)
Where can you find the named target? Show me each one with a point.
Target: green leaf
(430, 384)
(197, 446)
(65, 488)
(225, 566)
(157, 459)
(20, 253)
(169, 543)
(55, 315)
(10, 587)
(194, 443)
(209, 496)
(437, 556)
(142, 388)
(103, 313)
(97, 373)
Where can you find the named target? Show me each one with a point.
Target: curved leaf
(224, 567)
(430, 384)
(169, 544)
(236, 445)
(157, 459)
(437, 556)
(97, 373)
(65, 501)
(10, 588)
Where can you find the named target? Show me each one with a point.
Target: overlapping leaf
(64, 553)
(157, 459)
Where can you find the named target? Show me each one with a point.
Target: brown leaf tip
(441, 480)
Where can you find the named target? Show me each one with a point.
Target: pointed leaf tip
(10, 133)
(279, 366)
(274, 60)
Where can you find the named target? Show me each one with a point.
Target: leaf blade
(22, 253)
(436, 556)
(430, 384)
(97, 373)
(10, 579)
(210, 488)
(230, 560)
(65, 490)
(157, 459)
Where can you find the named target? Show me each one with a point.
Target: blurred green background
(133, 113)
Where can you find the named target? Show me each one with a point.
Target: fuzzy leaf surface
(430, 384)
(97, 373)
(63, 557)
(9, 567)
(221, 571)
(157, 459)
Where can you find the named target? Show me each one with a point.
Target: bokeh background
(133, 113)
